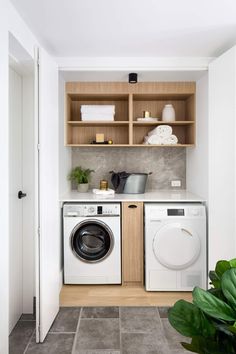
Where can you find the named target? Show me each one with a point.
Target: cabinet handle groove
(132, 206)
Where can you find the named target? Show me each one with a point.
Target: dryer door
(92, 240)
(176, 246)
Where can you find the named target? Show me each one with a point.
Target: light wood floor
(117, 295)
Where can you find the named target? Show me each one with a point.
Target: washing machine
(92, 243)
(175, 247)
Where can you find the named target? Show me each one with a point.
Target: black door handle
(132, 206)
(21, 195)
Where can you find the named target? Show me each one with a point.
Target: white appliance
(92, 243)
(175, 247)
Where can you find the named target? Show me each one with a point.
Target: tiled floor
(101, 330)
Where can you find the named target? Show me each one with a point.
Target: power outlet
(176, 183)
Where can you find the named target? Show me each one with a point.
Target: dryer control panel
(104, 209)
(180, 211)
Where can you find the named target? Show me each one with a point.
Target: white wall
(222, 157)
(9, 21)
(197, 158)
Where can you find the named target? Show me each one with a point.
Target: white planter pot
(83, 187)
(168, 113)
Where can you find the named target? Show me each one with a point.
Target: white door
(15, 204)
(48, 262)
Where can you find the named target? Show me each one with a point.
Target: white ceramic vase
(168, 113)
(83, 187)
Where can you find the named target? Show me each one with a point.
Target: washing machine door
(92, 241)
(176, 246)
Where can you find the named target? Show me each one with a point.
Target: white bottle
(168, 113)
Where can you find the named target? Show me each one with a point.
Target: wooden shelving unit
(130, 101)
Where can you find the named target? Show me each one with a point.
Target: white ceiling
(132, 28)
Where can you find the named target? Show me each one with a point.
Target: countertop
(181, 196)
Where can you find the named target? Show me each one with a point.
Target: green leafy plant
(210, 321)
(80, 175)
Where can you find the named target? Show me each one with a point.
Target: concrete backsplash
(166, 164)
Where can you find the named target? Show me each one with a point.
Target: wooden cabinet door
(132, 242)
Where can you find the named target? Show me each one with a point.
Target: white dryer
(92, 243)
(175, 247)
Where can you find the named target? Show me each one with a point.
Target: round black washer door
(92, 241)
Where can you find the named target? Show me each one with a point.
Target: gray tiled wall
(165, 163)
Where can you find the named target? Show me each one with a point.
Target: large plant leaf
(188, 320)
(221, 267)
(204, 346)
(215, 280)
(233, 263)
(218, 293)
(213, 306)
(228, 284)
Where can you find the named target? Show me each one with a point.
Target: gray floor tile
(27, 317)
(66, 320)
(98, 334)
(103, 351)
(140, 319)
(58, 343)
(20, 336)
(100, 312)
(174, 338)
(163, 311)
(140, 343)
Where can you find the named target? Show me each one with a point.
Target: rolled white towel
(97, 116)
(171, 140)
(161, 130)
(155, 140)
(95, 108)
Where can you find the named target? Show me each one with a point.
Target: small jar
(146, 114)
(168, 113)
(104, 185)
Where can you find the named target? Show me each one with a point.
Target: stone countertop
(181, 196)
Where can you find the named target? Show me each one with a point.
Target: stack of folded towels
(97, 112)
(161, 135)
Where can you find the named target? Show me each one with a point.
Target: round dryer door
(92, 241)
(176, 246)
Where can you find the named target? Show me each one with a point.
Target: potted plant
(210, 321)
(81, 177)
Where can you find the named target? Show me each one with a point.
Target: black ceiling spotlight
(133, 78)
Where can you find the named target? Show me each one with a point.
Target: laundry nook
(118, 177)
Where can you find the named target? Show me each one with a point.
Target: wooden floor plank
(117, 295)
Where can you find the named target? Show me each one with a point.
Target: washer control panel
(105, 209)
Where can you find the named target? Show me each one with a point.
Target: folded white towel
(95, 108)
(101, 192)
(161, 130)
(97, 116)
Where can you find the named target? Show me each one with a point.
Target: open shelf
(130, 101)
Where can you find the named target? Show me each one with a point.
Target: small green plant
(210, 321)
(80, 175)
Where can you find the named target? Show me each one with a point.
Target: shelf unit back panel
(80, 135)
(182, 132)
(156, 107)
(121, 104)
